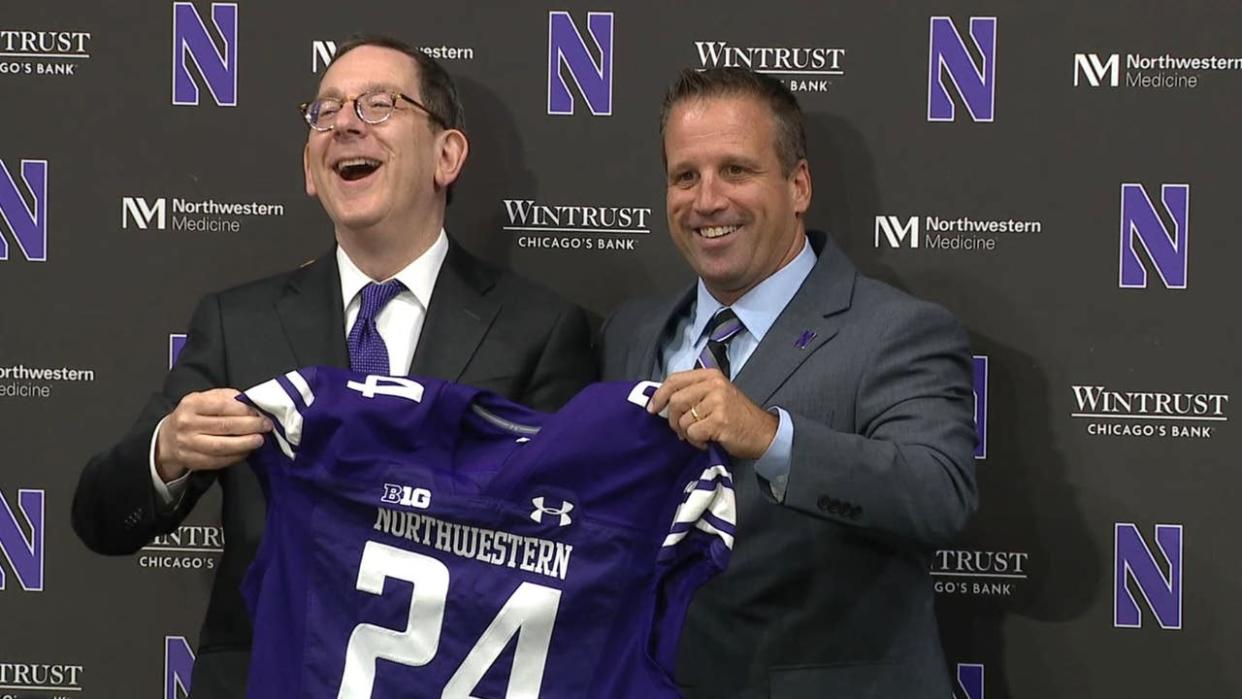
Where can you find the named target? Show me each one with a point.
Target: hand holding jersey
(207, 430)
(704, 406)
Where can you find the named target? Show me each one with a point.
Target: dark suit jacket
(484, 328)
(829, 594)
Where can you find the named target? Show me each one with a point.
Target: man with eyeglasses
(394, 295)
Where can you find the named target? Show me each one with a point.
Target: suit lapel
(461, 312)
(818, 308)
(650, 336)
(312, 316)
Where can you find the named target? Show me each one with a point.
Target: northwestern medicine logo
(940, 234)
(949, 57)
(323, 51)
(981, 405)
(969, 681)
(24, 553)
(1152, 72)
(25, 221)
(215, 64)
(568, 53)
(178, 667)
(209, 215)
(1141, 226)
(802, 69)
(1136, 569)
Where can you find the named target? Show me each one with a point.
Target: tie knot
(376, 296)
(723, 326)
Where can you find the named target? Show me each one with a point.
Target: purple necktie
(367, 351)
(720, 329)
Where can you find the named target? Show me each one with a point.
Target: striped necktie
(722, 328)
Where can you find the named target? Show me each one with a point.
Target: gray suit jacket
(828, 593)
(484, 328)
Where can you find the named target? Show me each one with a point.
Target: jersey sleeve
(284, 401)
(697, 546)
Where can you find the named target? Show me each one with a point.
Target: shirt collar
(759, 307)
(419, 277)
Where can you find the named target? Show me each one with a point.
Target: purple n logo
(24, 555)
(981, 405)
(948, 53)
(28, 225)
(178, 666)
(176, 341)
(1141, 224)
(970, 680)
(191, 41)
(1134, 561)
(567, 46)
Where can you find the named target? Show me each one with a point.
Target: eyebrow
(368, 87)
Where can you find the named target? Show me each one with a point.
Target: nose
(709, 196)
(347, 121)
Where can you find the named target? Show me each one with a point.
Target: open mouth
(353, 169)
(711, 232)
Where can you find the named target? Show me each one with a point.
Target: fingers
(209, 430)
(674, 383)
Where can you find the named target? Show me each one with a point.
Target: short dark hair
(740, 82)
(435, 85)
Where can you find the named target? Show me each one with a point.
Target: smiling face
(384, 179)
(734, 215)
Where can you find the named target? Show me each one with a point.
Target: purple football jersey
(427, 539)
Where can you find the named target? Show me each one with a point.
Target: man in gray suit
(393, 295)
(845, 403)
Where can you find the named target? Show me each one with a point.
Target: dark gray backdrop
(1062, 588)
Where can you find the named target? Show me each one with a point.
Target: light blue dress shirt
(758, 310)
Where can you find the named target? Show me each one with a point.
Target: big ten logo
(592, 76)
(215, 64)
(969, 681)
(949, 57)
(25, 221)
(1089, 68)
(980, 387)
(22, 551)
(178, 666)
(176, 342)
(1136, 569)
(1141, 226)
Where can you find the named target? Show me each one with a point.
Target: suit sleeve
(116, 509)
(566, 363)
(908, 473)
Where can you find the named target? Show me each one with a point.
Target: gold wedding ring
(695, 413)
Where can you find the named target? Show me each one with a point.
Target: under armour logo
(541, 510)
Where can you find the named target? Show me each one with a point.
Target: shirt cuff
(170, 492)
(773, 466)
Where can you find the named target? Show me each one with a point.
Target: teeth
(717, 231)
(356, 161)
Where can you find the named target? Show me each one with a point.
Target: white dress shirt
(400, 323)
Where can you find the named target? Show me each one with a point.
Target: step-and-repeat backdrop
(1060, 175)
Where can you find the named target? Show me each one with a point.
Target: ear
(451, 157)
(306, 171)
(800, 187)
